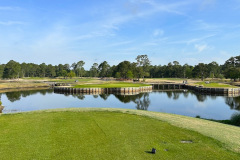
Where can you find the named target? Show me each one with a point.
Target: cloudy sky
(67, 31)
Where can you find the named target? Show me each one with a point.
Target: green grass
(36, 78)
(59, 79)
(215, 85)
(15, 85)
(111, 85)
(74, 79)
(169, 79)
(101, 135)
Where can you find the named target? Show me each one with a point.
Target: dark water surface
(177, 102)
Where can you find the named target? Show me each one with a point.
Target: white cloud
(200, 105)
(203, 25)
(9, 8)
(110, 26)
(118, 19)
(193, 40)
(200, 47)
(158, 32)
(8, 23)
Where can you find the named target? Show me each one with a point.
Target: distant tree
(200, 71)
(64, 73)
(187, 71)
(214, 69)
(118, 75)
(42, 70)
(66, 67)
(32, 70)
(24, 69)
(104, 69)
(50, 71)
(123, 68)
(12, 70)
(169, 70)
(129, 75)
(231, 68)
(80, 69)
(74, 67)
(71, 74)
(94, 70)
(177, 70)
(143, 64)
(233, 73)
(1, 70)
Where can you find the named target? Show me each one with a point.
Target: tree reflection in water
(233, 102)
(201, 97)
(79, 96)
(173, 94)
(185, 94)
(141, 100)
(104, 96)
(95, 96)
(143, 103)
(15, 96)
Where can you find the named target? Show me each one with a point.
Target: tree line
(141, 68)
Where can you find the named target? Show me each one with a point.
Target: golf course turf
(111, 85)
(73, 134)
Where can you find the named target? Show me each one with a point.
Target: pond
(177, 102)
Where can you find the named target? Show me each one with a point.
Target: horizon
(59, 31)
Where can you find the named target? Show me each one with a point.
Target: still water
(177, 102)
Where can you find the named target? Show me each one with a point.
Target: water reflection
(79, 96)
(143, 104)
(95, 96)
(178, 102)
(104, 96)
(201, 97)
(16, 96)
(233, 102)
(141, 100)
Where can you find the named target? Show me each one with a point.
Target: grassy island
(111, 85)
(104, 134)
(215, 85)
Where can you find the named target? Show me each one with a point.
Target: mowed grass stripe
(100, 135)
(111, 85)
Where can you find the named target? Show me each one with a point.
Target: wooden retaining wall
(125, 90)
(233, 91)
(168, 86)
(173, 86)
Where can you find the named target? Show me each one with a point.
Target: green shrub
(0, 103)
(198, 116)
(235, 119)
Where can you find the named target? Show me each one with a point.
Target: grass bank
(21, 85)
(80, 134)
(111, 85)
(62, 79)
(215, 85)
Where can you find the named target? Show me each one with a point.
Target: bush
(0, 103)
(235, 119)
(198, 116)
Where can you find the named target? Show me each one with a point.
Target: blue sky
(67, 31)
